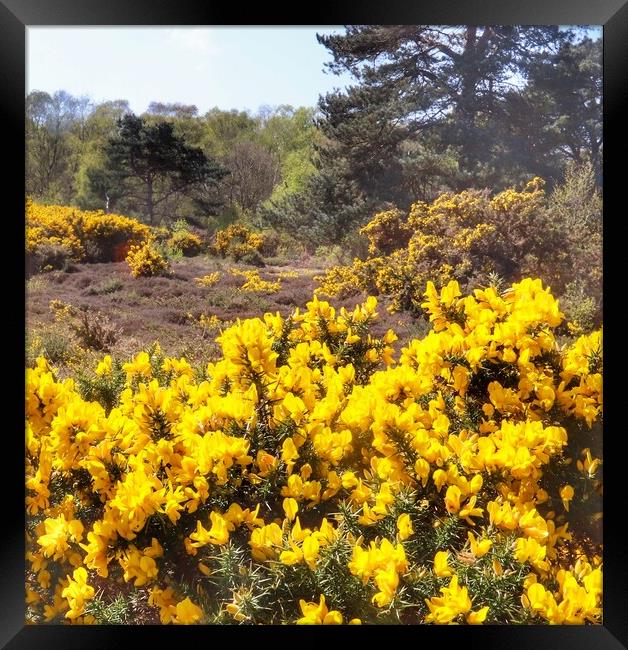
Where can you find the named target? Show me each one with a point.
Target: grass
(110, 285)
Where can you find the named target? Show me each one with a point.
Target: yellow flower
(187, 613)
(58, 531)
(479, 548)
(446, 608)
(452, 499)
(104, 367)
(77, 593)
(527, 549)
(477, 618)
(566, 495)
(314, 614)
(311, 547)
(536, 597)
(293, 410)
(290, 507)
(166, 601)
(441, 568)
(470, 510)
(387, 581)
(404, 527)
(139, 566)
(218, 534)
(589, 465)
(264, 542)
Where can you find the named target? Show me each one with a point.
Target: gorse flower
(314, 614)
(77, 593)
(208, 280)
(85, 235)
(313, 475)
(255, 284)
(145, 260)
(237, 241)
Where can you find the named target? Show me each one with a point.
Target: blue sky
(241, 68)
(227, 67)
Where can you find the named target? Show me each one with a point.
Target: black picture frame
(17, 15)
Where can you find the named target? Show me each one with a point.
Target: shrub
(49, 257)
(92, 329)
(331, 254)
(236, 241)
(574, 210)
(88, 236)
(280, 244)
(255, 284)
(104, 385)
(180, 225)
(161, 235)
(208, 280)
(145, 261)
(253, 258)
(470, 237)
(50, 343)
(210, 325)
(387, 232)
(312, 475)
(95, 331)
(580, 309)
(339, 281)
(271, 240)
(185, 242)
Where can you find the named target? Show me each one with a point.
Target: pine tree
(153, 164)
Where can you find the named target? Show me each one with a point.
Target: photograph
(314, 325)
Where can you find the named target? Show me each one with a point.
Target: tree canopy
(153, 164)
(430, 109)
(434, 109)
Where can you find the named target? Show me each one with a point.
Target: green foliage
(574, 213)
(159, 164)
(435, 110)
(566, 90)
(113, 612)
(327, 211)
(180, 225)
(430, 111)
(332, 254)
(50, 343)
(104, 388)
(579, 307)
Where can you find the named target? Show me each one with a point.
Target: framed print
(314, 322)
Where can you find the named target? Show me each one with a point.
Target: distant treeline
(82, 153)
(431, 110)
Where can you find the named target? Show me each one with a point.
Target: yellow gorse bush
(208, 280)
(463, 236)
(254, 283)
(145, 260)
(188, 243)
(311, 476)
(237, 241)
(87, 235)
